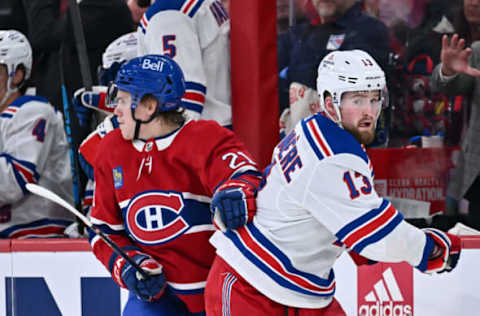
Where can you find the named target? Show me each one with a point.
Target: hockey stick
(47, 194)
(87, 83)
(80, 44)
(72, 150)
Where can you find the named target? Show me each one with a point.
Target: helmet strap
(139, 122)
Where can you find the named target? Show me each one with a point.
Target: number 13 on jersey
(365, 186)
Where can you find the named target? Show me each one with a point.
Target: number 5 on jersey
(169, 47)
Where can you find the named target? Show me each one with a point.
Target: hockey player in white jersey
(195, 33)
(33, 149)
(318, 201)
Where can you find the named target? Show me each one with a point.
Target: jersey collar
(159, 143)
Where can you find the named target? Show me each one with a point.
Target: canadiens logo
(154, 217)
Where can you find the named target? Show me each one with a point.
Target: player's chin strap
(139, 122)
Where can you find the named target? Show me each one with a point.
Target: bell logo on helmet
(149, 64)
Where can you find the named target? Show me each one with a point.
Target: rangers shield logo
(335, 41)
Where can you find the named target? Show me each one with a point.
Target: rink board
(62, 277)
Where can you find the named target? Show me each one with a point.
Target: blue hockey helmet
(157, 75)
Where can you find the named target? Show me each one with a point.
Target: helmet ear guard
(348, 71)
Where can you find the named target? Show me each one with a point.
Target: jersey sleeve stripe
(191, 7)
(195, 86)
(194, 96)
(114, 227)
(192, 106)
(370, 227)
(315, 138)
(141, 28)
(24, 171)
(267, 257)
(38, 228)
(6, 115)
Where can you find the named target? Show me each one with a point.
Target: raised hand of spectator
(455, 56)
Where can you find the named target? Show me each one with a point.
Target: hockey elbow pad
(441, 252)
(233, 204)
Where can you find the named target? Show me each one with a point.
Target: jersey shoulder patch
(327, 139)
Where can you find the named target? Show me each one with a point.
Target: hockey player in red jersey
(317, 202)
(155, 176)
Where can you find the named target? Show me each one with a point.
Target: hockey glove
(441, 253)
(95, 99)
(127, 276)
(233, 204)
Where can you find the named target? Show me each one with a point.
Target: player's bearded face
(123, 112)
(359, 114)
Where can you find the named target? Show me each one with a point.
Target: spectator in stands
(197, 38)
(12, 16)
(138, 8)
(341, 26)
(50, 27)
(226, 5)
(33, 149)
(283, 15)
(467, 21)
(458, 73)
(302, 11)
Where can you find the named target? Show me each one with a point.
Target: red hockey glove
(126, 276)
(441, 253)
(233, 204)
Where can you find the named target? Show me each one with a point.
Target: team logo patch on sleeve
(118, 177)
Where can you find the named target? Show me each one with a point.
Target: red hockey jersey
(154, 196)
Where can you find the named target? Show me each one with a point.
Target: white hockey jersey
(318, 201)
(33, 149)
(195, 33)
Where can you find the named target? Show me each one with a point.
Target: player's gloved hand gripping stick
(141, 274)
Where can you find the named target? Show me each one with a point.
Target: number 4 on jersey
(39, 130)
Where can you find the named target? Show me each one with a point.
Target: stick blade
(47, 194)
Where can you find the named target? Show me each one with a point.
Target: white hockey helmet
(15, 50)
(119, 51)
(122, 49)
(344, 71)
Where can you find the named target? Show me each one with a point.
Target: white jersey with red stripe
(33, 149)
(154, 197)
(195, 33)
(318, 200)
